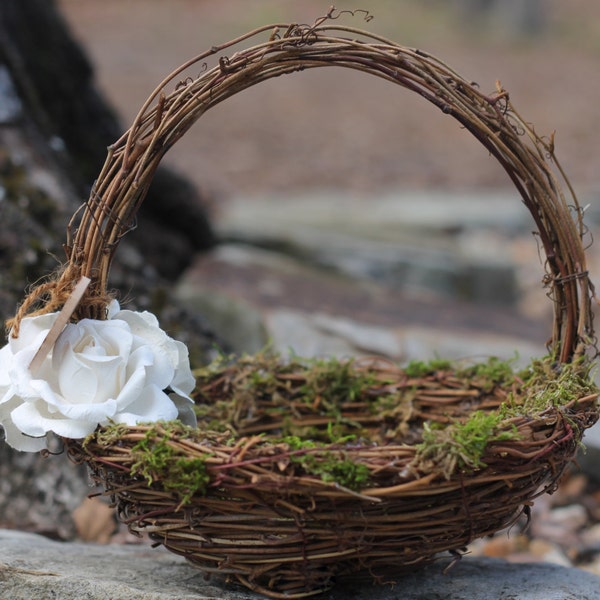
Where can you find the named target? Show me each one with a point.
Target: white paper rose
(98, 371)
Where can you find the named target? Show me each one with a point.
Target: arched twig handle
(179, 101)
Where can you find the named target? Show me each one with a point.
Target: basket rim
(523, 401)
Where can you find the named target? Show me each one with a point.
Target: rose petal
(183, 382)
(152, 405)
(12, 435)
(22, 380)
(136, 378)
(55, 404)
(19, 441)
(34, 420)
(185, 410)
(31, 331)
(159, 371)
(5, 359)
(112, 309)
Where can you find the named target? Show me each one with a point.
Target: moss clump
(546, 383)
(312, 398)
(421, 368)
(335, 382)
(347, 473)
(494, 372)
(159, 459)
(461, 444)
(330, 466)
(107, 436)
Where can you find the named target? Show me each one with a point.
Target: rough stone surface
(411, 240)
(35, 567)
(589, 460)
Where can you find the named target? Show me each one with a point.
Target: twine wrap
(259, 517)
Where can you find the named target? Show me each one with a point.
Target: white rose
(98, 372)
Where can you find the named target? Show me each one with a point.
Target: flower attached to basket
(124, 369)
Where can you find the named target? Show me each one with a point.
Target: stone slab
(32, 566)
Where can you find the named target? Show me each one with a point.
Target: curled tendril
(332, 15)
(514, 123)
(275, 35)
(227, 65)
(307, 33)
(184, 83)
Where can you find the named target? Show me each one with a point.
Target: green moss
(107, 436)
(335, 382)
(420, 368)
(493, 372)
(461, 445)
(347, 473)
(310, 404)
(548, 383)
(158, 459)
(329, 465)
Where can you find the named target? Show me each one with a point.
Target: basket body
(267, 517)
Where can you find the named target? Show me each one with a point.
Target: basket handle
(178, 102)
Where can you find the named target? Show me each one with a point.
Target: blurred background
(332, 128)
(326, 212)
(337, 170)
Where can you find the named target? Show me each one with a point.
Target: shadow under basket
(302, 472)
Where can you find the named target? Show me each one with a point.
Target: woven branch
(290, 511)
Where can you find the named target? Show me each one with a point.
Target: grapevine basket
(303, 473)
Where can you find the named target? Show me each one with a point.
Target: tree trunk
(54, 130)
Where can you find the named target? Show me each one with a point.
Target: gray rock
(320, 334)
(10, 107)
(253, 296)
(34, 567)
(412, 241)
(589, 457)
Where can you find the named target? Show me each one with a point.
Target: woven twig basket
(303, 473)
